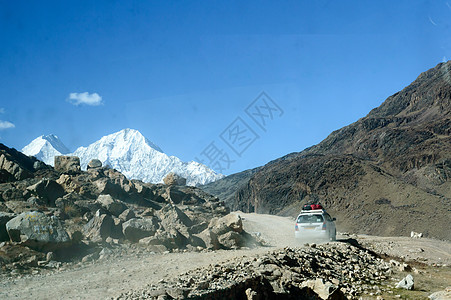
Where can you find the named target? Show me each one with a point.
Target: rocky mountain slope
(386, 174)
(225, 188)
(52, 215)
(129, 152)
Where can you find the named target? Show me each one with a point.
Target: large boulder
(107, 187)
(172, 216)
(47, 190)
(69, 183)
(4, 218)
(5, 176)
(136, 229)
(209, 238)
(174, 179)
(94, 164)
(38, 231)
(113, 206)
(169, 239)
(407, 283)
(67, 164)
(230, 222)
(99, 228)
(232, 240)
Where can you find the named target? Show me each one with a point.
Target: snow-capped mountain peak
(129, 152)
(45, 148)
(138, 158)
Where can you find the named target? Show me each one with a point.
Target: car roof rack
(313, 210)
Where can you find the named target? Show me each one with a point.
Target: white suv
(315, 224)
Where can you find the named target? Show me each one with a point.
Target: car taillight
(324, 226)
(296, 228)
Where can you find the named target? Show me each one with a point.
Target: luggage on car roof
(312, 206)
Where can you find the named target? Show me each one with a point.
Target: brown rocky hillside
(389, 173)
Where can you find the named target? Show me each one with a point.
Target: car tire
(333, 238)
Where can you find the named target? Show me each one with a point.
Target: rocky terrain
(136, 272)
(53, 215)
(389, 173)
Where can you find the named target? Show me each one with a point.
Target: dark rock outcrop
(15, 164)
(4, 218)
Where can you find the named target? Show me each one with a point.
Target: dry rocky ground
(284, 269)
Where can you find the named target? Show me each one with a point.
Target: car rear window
(310, 219)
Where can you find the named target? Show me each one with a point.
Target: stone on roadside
(38, 231)
(209, 238)
(231, 240)
(324, 290)
(416, 235)
(230, 222)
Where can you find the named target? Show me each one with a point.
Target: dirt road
(108, 278)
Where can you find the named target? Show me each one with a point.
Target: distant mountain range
(388, 173)
(127, 151)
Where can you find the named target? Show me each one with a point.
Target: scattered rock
(50, 256)
(325, 290)
(416, 235)
(441, 295)
(407, 283)
(225, 224)
(280, 274)
(4, 218)
(231, 240)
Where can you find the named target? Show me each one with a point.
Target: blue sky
(182, 72)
